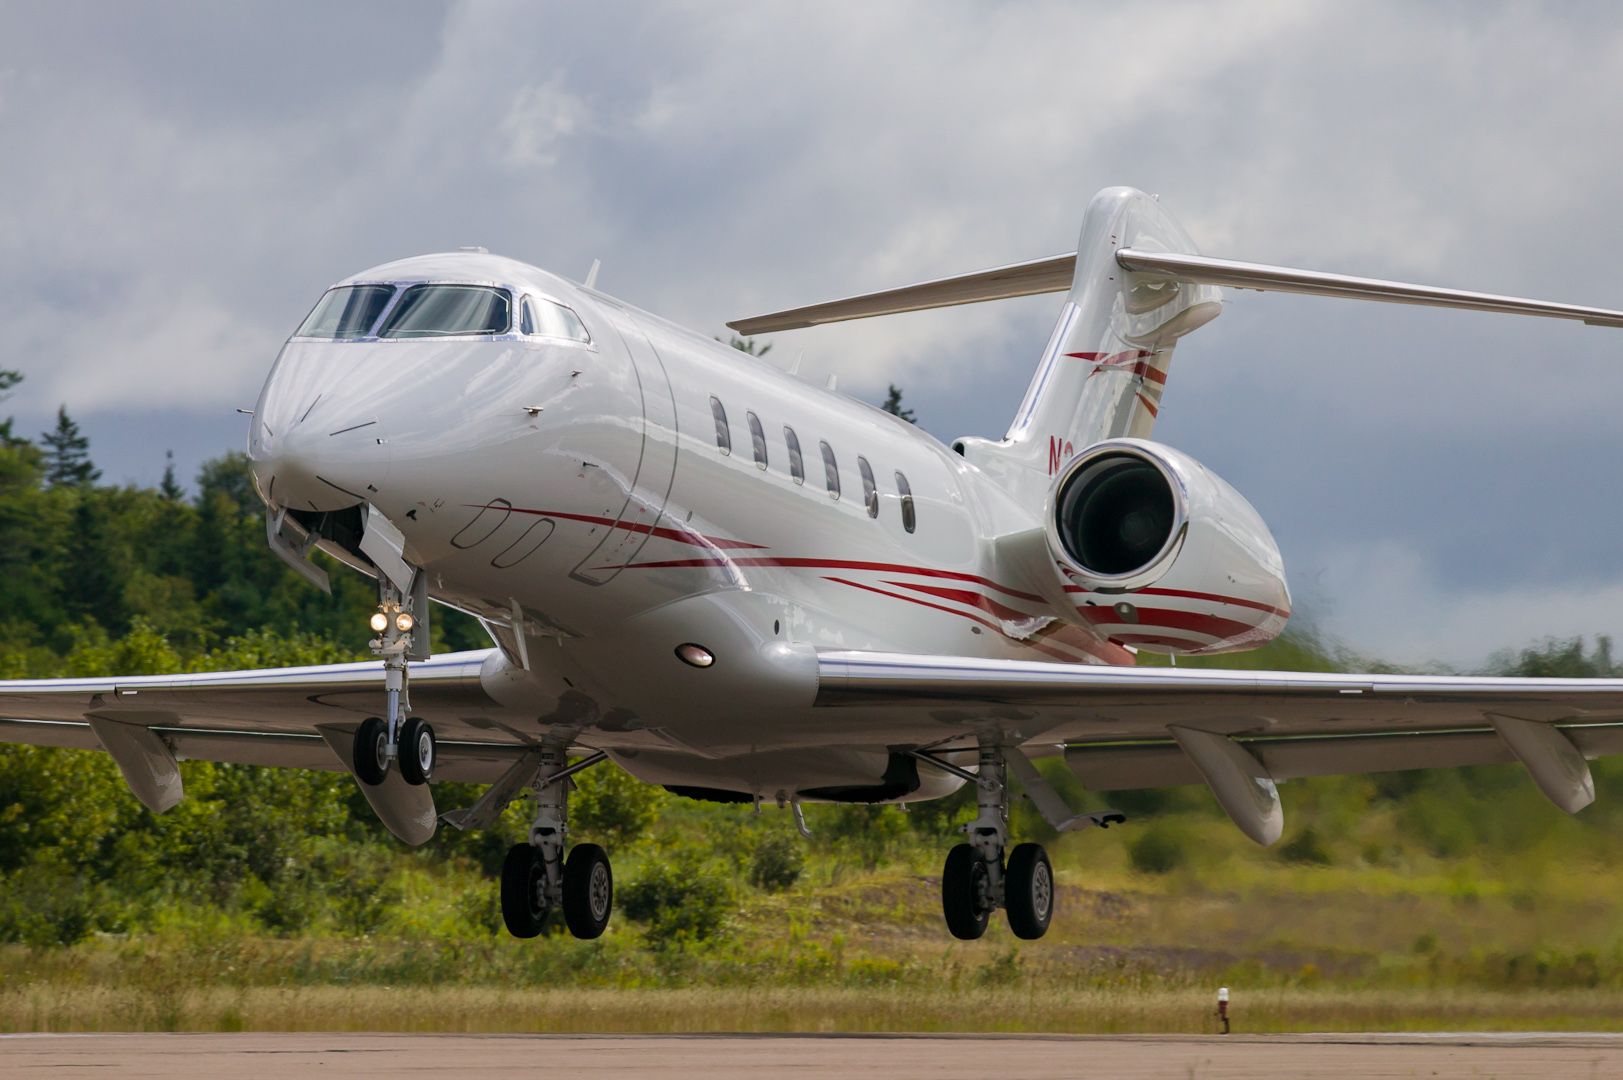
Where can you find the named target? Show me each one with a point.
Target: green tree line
(99, 579)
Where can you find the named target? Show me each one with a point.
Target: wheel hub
(599, 891)
(1042, 891)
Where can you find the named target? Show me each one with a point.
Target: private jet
(749, 589)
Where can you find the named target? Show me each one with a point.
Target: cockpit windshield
(448, 310)
(347, 312)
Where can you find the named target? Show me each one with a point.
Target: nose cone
(323, 461)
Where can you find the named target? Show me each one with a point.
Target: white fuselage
(576, 491)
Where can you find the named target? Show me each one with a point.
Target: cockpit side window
(347, 312)
(449, 311)
(549, 319)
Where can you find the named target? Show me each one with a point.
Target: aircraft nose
(321, 462)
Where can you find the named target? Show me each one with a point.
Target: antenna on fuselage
(833, 381)
(591, 275)
(794, 368)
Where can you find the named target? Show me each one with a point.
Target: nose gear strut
(381, 743)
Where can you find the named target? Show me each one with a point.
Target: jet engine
(1158, 552)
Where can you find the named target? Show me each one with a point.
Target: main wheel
(588, 891)
(417, 749)
(524, 887)
(371, 753)
(964, 899)
(1028, 891)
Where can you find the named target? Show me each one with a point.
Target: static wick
(1223, 1007)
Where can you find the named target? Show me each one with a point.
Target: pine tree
(749, 345)
(8, 382)
(67, 454)
(170, 488)
(893, 405)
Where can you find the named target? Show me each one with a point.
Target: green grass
(56, 1007)
(1421, 945)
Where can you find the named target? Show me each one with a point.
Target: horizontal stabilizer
(1203, 270)
(1055, 273)
(1048, 275)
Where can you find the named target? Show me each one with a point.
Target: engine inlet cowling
(1116, 514)
(1153, 550)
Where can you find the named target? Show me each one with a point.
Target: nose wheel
(371, 755)
(379, 742)
(416, 751)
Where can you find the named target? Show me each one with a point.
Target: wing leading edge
(298, 717)
(1240, 731)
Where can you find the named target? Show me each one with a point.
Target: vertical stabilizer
(1105, 366)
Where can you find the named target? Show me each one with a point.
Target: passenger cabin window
(831, 470)
(797, 464)
(547, 319)
(757, 438)
(909, 521)
(870, 490)
(347, 312)
(427, 311)
(724, 435)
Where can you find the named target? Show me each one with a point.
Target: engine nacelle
(1158, 552)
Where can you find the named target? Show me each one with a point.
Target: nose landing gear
(379, 742)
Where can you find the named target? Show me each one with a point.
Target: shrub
(679, 900)
(1157, 851)
(45, 905)
(611, 805)
(1306, 847)
(777, 862)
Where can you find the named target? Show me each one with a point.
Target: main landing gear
(381, 743)
(977, 878)
(537, 879)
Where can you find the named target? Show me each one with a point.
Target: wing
(302, 717)
(1239, 731)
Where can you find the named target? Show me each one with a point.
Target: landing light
(380, 622)
(404, 622)
(694, 655)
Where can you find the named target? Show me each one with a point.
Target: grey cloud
(183, 179)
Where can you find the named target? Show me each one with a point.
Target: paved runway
(722, 1057)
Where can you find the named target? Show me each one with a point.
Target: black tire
(588, 891)
(963, 893)
(371, 752)
(524, 878)
(1028, 891)
(417, 751)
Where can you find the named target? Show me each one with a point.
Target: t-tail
(1136, 541)
(1106, 364)
(1135, 285)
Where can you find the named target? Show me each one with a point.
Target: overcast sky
(178, 183)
